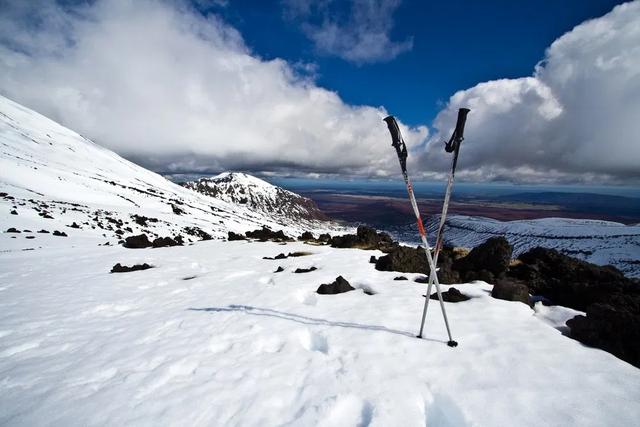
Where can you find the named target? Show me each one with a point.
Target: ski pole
(401, 150)
(452, 146)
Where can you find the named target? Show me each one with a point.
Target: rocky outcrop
(511, 291)
(365, 238)
(265, 233)
(119, 268)
(451, 295)
(338, 286)
(613, 327)
(486, 261)
(569, 281)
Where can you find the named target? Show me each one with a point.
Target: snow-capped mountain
(259, 195)
(52, 178)
(599, 242)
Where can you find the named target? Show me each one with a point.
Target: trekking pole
(453, 146)
(401, 150)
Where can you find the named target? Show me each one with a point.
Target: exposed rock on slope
(257, 194)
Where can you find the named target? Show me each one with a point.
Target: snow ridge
(259, 195)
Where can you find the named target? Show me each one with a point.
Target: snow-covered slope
(212, 337)
(259, 195)
(51, 177)
(600, 242)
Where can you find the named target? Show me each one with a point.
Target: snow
(211, 336)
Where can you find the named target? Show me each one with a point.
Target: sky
(300, 87)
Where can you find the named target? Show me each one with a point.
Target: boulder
(307, 235)
(135, 242)
(494, 256)
(400, 278)
(231, 236)
(324, 237)
(365, 238)
(511, 291)
(451, 295)
(404, 259)
(305, 270)
(338, 286)
(13, 230)
(414, 260)
(373, 259)
(279, 270)
(163, 242)
(59, 233)
(265, 233)
(119, 268)
(612, 327)
(569, 281)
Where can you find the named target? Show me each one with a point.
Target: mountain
(599, 242)
(52, 178)
(258, 195)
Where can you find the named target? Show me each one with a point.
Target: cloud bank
(361, 35)
(180, 92)
(577, 119)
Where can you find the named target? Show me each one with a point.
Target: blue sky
(456, 44)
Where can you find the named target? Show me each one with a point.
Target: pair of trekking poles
(453, 146)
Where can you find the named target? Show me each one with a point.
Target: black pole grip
(397, 142)
(396, 137)
(462, 119)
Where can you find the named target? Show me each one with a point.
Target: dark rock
(404, 259)
(265, 233)
(414, 260)
(137, 242)
(305, 270)
(452, 295)
(118, 268)
(13, 230)
(365, 238)
(614, 328)
(279, 270)
(324, 237)
(306, 236)
(13, 212)
(176, 210)
(511, 291)
(494, 256)
(484, 275)
(26, 230)
(59, 233)
(373, 259)
(163, 242)
(400, 278)
(234, 236)
(298, 254)
(43, 231)
(143, 220)
(338, 286)
(30, 237)
(74, 225)
(569, 281)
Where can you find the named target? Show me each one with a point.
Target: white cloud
(165, 86)
(362, 35)
(577, 119)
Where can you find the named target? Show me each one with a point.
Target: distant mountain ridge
(257, 194)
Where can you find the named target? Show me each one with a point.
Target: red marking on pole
(420, 227)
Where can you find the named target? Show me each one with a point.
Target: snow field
(211, 336)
